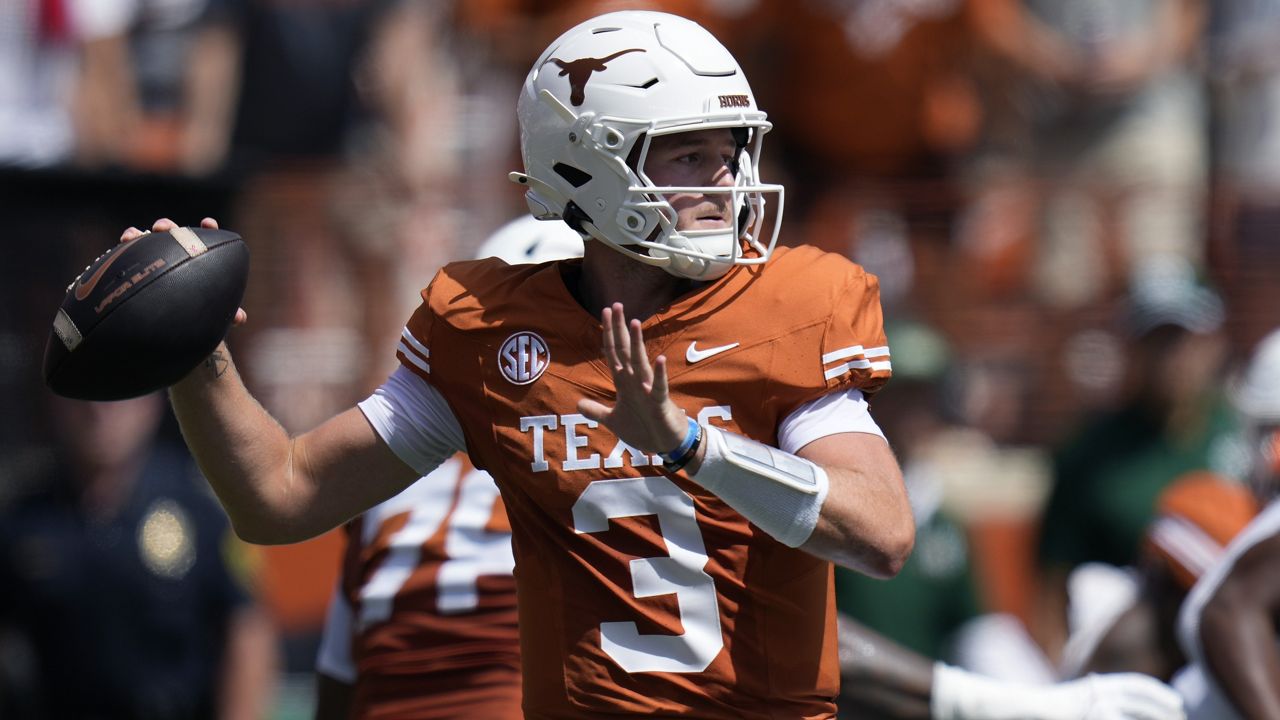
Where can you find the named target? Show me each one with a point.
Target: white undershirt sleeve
(414, 420)
(837, 412)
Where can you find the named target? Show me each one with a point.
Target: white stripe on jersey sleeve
(414, 420)
(413, 342)
(860, 361)
(334, 657)
(1186, 542)
(841, 354)
(421, 364)
(836, 412)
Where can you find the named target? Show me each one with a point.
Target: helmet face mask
(599, 96)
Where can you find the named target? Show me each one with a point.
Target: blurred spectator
(1096, 121)
(39, 52)
(157, 85)
(124, 591)
(871, 104)
(1244, 73)
(142, 84)
(1115, 464)
(347, 130)
(395, 210)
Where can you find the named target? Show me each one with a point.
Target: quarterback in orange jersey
(677, 422)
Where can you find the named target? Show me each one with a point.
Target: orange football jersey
(1196, 518)
(427, 575)
(640, 592)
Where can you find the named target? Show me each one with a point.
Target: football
(145, 313)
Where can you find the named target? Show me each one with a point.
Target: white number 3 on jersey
(682, 574)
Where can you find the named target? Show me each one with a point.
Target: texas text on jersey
(638, 591)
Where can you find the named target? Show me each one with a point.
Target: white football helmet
(619, 80)
(1257, 393)
(527, 239)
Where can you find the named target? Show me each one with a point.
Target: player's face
(697, 158)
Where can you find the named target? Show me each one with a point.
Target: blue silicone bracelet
(680, 457)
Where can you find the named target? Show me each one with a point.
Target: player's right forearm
(242, 451)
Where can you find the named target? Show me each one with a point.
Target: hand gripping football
(145, 313)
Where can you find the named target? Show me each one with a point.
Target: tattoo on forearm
(218, 363)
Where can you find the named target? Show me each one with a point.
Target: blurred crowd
(1071, 205)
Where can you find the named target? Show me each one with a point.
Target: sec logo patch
(523, 358)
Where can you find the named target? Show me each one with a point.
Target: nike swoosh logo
(84, 287)
(693, 354)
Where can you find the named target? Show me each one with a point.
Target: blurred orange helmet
(1195, 518)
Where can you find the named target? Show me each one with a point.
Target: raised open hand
(644, 415)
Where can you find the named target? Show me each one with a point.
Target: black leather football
(145, 313)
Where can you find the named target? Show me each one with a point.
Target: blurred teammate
(1228, 624)
(885, 680)
(1228, 627)
(1196, 517)
(423, 624)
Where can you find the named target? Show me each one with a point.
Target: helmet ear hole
(575, 176)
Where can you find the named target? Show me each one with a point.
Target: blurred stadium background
(1020, 175)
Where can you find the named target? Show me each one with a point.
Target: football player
(885, 680)
(1195, 518)
(1228, 624)
(678, 422)
(423, 623)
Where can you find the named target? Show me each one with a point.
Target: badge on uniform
(523, 357)
(166, 540)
